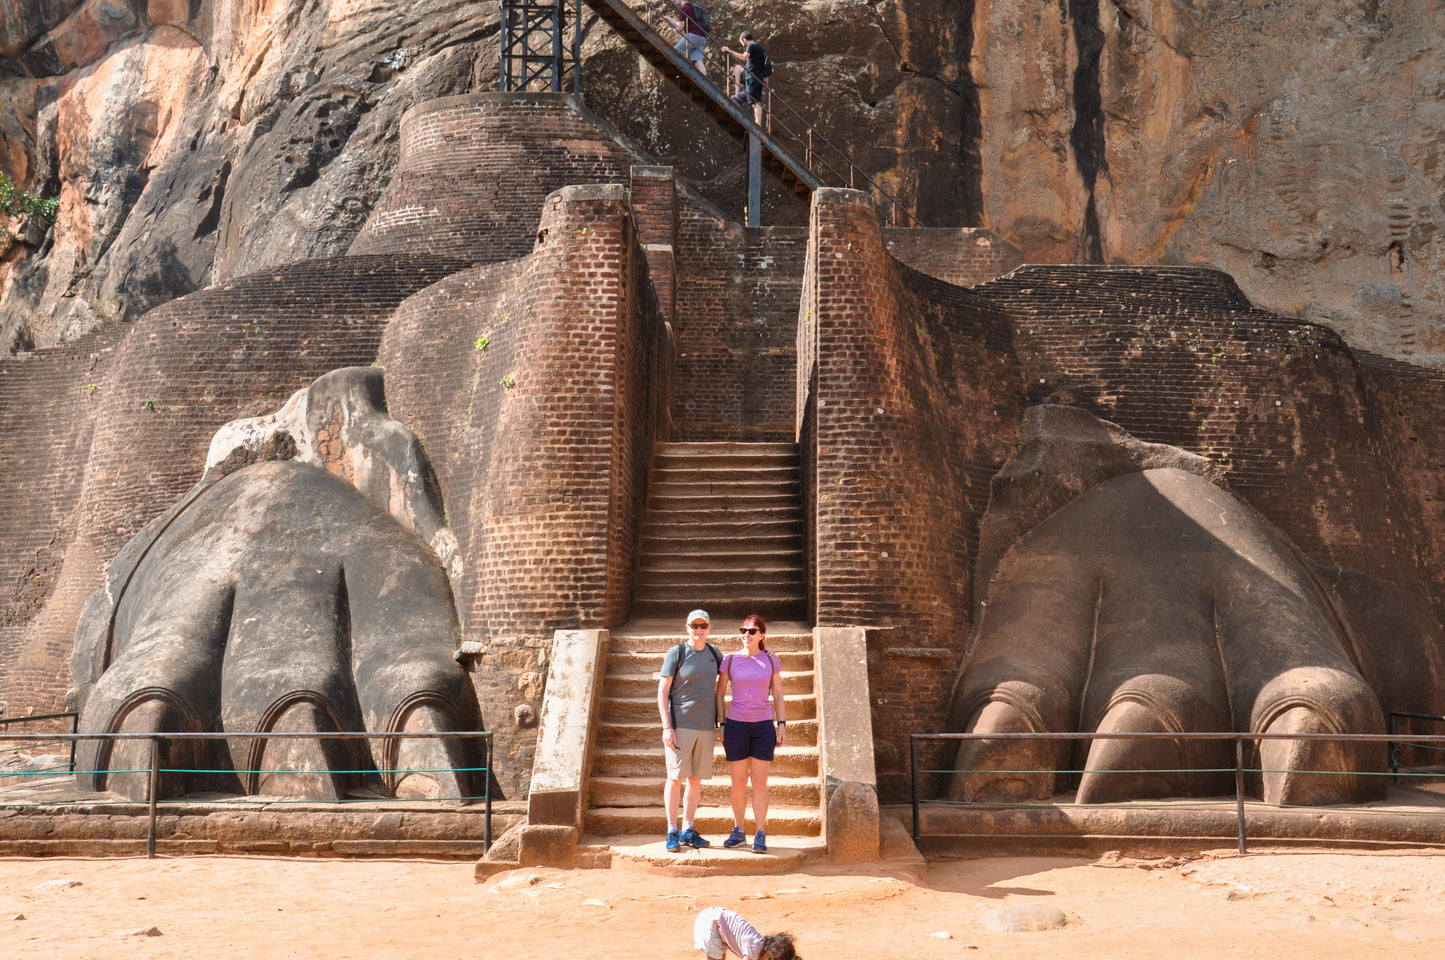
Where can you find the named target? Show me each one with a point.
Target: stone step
(639, 709)
(738, 528)
(795, 684)
(645, 664)
(783, 792)
(660, 490)
(713, 822)
(802, 732)
(679, 470)
(722, 607)
(782, 642)
(685, 540)
(699, 511)
(647, 761)
(725, 449)
(681, 556)
(723, 570)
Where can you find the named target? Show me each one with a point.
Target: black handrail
(813, 145)
(70, 715)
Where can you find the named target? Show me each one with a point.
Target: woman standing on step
(754, 726)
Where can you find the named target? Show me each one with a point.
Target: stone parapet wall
(474, 171)
(962, 256)
(48, 400)
(1179, 356)
(174, 377)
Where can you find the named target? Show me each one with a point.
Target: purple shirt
(750, 678)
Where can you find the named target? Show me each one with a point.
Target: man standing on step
(687, 701)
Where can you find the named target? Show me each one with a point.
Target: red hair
(757, 621)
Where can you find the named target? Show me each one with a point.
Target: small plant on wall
(22, 203)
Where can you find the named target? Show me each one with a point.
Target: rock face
(1292, 146)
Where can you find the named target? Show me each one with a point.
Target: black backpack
(765, 66)
(701, 19)
(716, 654)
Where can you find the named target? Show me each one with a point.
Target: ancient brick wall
(474, 171)
(47, 403)
(961, 256)
(1178, 355)
(531, 385)
(737, 306)
(912, 400)
(183, 370)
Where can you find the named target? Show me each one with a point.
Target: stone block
(564, 741)
(547, 845)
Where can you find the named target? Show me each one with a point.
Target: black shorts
(752, 91)
(743, 739)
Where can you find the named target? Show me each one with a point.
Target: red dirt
(1276, 906)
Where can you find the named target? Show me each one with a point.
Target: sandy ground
(1275, 906)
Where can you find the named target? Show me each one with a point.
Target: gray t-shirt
(694, 685)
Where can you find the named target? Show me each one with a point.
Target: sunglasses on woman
(749, 630)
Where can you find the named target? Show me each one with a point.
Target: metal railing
(1392, 724)
(154, 770)
(72, 716)
(789, 129)
(1391, 740)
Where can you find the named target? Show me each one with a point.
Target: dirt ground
(1275, 906)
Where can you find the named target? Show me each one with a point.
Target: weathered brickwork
(654, 210)
(908, 403)
(1179, 356)
(531, 385)
(962, 257)
(474, 171)
(737, 295)
(184, 369)
(47, 402)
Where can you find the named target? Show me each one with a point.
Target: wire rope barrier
(156, 769)
(1394, 741)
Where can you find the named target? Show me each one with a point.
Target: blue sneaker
(760, 842)
(736, 838)
(691, 838)
(672, 845)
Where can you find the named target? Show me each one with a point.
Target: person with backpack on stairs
(686, 700)
(751, 72)
(754, 728)
(692, 24)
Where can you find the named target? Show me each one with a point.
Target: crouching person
(719, 932)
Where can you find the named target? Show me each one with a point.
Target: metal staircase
(786, 143)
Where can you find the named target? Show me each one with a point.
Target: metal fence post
(487, 796)
(1239, 788)
(1394, 749)
(913, 775)
(74, 729)
(155, 783)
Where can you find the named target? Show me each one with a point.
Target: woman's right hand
(669, 737)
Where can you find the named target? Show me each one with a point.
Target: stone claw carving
(1157, 602)
(279, 597)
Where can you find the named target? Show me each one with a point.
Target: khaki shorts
(693, 756)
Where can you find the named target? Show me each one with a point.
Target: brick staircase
(723, 531)
(625, 793)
